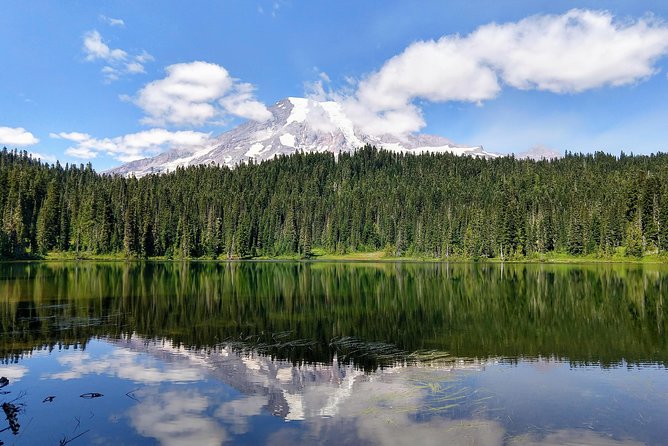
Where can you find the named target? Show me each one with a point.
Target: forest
(433, 205)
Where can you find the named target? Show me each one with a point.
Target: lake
(280, 353)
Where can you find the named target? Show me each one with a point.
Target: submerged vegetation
(432, 205)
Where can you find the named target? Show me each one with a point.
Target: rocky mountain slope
(298, 124)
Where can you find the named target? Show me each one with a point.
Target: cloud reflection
(571, 437)
(14, 371)
(426, 404)
(177, 418)
(126, 364)
(237, 412)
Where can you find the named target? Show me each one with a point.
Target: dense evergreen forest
(436, 205)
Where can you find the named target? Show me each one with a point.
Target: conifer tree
(48, 222)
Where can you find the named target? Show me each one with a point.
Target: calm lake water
(337, 353)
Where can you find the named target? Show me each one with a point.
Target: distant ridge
(538, 153)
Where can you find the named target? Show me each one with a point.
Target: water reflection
(124, 364)
(314, 312)
(224, 395)
(570, 437)
(285, 353)
(177, 417)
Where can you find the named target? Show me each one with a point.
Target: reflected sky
(157, 393)
(365, 354)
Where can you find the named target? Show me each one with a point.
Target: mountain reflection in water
(283, 353)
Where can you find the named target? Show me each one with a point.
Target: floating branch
(66, 440)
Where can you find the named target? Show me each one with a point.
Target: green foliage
(442, 206)
(634, 241)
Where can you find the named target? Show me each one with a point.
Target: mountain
(539, 152)
(297, 124)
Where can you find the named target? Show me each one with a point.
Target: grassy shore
(319, 254)
(543, 258)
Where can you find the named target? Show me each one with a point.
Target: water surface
(339, 353)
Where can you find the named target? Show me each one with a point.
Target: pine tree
(305, 239)
(48, 222)
(663, 221)
(243, 237)
(130, 233)
(634, 241)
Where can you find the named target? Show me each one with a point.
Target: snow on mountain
(539, 152)
(297, 124)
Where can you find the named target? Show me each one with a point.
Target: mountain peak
(297, 124)
(539, 152)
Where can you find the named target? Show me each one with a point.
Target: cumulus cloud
(133, 146)
(16, 137)
(568, 53)
(118, 62)
(197, 93)
(241, 102)
(573, 52)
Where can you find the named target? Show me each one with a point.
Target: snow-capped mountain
(297, 124)
(539, 152)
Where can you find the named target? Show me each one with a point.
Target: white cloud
(319, 89)
(16, 136)
(43, 157)
(110, 73)
(133, 146)
(95, 48)
(144, 57)
(197, 93)
(242, 103)
(572, 52)
(569, 53)
(81, 152)
(135, 67)
(112, 21)
(118, 62)
(72, 136)
(316, 90)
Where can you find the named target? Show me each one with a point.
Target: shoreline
(357, 257)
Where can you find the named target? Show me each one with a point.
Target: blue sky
(90, 81)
